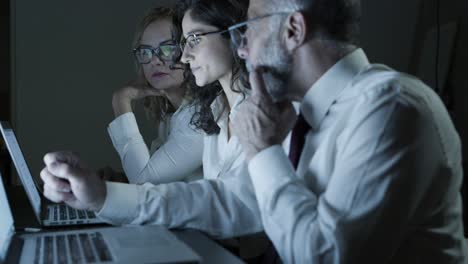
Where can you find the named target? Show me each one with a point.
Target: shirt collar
(219, 108)
(323, 93)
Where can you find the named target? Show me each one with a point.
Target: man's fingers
(258, 84)
(51, 157)
(55, 183)
(61, 156)
(64, 171)
(51, 194)
(71, 200)
(56, 196)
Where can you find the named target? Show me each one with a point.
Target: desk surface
(209, 250)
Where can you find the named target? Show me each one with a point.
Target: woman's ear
(295, 31)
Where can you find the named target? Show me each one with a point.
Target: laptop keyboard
(61, 212)
(72, 248)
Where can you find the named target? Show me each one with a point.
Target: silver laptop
(138, 244)
(47, 213)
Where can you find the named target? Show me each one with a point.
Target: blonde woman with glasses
(175, 154)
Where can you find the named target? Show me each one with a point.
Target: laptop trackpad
(142, 240)
(141, 237)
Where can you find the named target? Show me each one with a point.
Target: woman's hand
(137, 89)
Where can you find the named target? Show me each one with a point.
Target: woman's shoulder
(181, 119)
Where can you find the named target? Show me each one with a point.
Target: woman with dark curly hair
(216, 74)
(227, 76)
(220, 86)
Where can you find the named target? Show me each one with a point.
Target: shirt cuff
(121, 203)
(270, 170)
(123, 127)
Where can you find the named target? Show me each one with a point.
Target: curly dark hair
(221, 14)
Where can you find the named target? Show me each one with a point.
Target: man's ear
(295, 31)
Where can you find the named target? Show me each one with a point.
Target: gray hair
(288, 5)
(331, 20)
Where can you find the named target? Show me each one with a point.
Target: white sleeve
(390, 155)
(225, 207)
(175, 160)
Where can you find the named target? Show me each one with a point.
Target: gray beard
(278, 67)
(275, 82)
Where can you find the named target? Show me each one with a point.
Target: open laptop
(137, 244)
(47, 213)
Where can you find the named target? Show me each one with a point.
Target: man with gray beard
(374, 170)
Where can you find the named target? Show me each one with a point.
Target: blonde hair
(156, 107)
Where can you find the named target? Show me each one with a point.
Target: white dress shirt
(222, 204)
(175, 155)
(379, 177)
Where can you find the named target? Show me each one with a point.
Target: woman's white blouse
(175, 155)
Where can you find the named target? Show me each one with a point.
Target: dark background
(60, 61)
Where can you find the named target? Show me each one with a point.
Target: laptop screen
(22, 168)
(6, 222)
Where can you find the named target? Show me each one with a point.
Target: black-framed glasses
(237, 31)
(168, 52)
(193, 39)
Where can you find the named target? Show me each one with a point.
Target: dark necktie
(295, 149)
(297, 140)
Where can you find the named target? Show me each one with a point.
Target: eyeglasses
(165, 53)
(193, 39)
(237, 31)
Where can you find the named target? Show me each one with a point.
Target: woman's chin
(200, 83)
